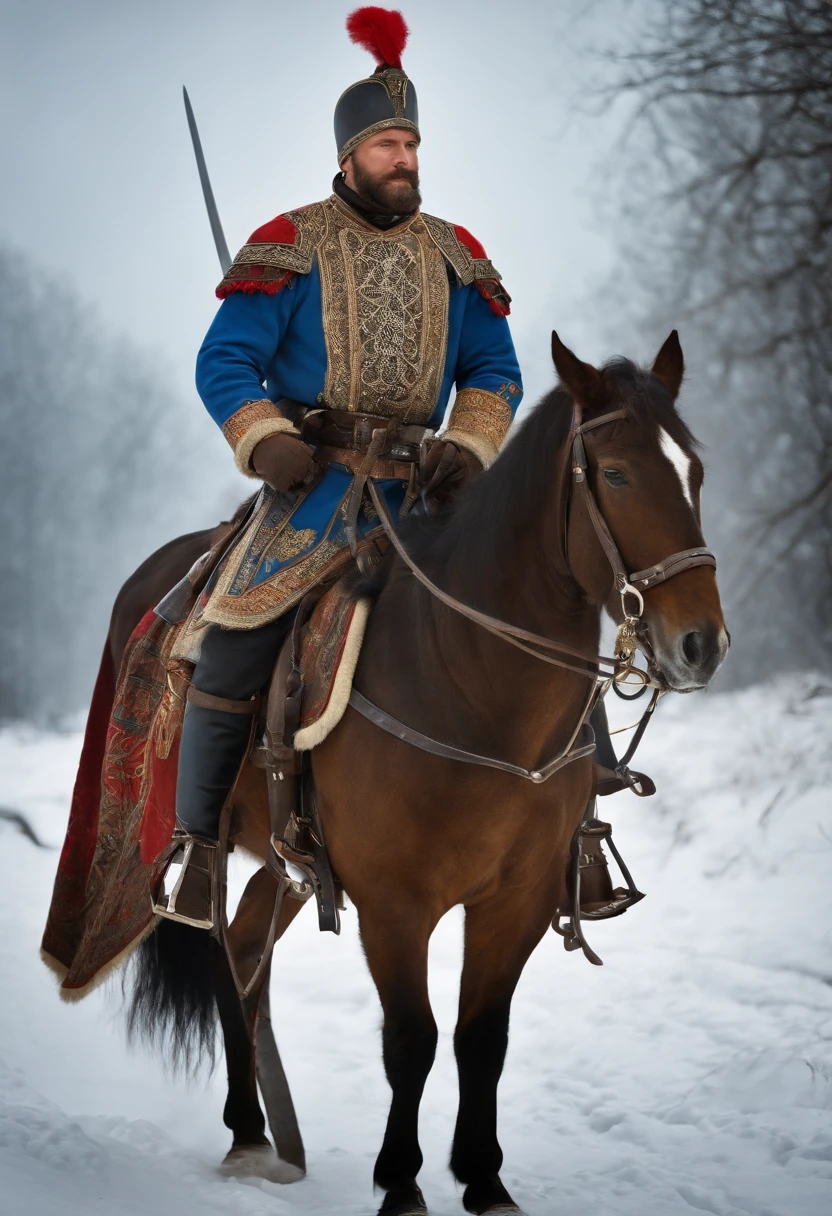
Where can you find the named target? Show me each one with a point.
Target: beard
(396, 192)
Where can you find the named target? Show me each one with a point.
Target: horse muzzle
(689, 659)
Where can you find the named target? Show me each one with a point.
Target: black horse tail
(171, 1005)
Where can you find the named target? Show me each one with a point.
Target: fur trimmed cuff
(255, 421)
(479, 421)
(483, 449)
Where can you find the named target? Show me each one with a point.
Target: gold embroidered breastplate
(385, 311)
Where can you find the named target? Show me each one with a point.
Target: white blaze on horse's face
(680, 460)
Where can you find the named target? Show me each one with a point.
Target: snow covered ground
(692, 1072)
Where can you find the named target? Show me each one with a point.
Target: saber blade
(207, 192)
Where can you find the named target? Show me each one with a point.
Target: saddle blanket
(122, 815)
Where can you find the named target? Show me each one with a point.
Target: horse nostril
(693, 648)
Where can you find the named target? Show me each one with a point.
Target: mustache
(403, 175)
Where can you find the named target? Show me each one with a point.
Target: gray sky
(99, 182)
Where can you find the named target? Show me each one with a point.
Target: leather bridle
(627, 585)
(548, 650)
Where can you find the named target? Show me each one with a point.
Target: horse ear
(669, 366)
(581, 379)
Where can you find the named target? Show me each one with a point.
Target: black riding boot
(234, 665)
(211, 751)
(210, 754)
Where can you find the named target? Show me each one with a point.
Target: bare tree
(728, 229)
(93, 476)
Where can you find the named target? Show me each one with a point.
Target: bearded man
(338, 318)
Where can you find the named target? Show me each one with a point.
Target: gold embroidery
(235, 427)
(289, 542)
(478, 412)
(276, 258)
(385, 314)
(274, 596)
(466, 267)
(395, 82)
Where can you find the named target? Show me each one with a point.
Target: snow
(691, 1073)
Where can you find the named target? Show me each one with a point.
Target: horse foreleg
(500, 934)
(396, 946)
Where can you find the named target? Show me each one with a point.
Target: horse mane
(471, 538)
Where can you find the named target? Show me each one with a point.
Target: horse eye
(615, 477)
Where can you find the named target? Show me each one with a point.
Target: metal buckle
(626, 588)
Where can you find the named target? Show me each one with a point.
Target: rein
(629, 586)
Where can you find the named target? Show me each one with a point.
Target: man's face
(384, 169)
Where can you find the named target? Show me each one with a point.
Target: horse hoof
(259, 1161)
(504, 1209)
(409, 1201)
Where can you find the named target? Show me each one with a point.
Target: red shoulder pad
(278, 231)
(469, 241)
(486, 280)
(268, 279)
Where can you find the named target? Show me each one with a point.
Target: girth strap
(380, 717)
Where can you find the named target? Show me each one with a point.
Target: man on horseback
(343, 327)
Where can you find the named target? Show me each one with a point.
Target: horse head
(644, 473)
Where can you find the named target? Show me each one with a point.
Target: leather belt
(352, 460)
(343, 431)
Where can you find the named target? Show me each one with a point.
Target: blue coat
(324, 309)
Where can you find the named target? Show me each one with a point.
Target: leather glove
(442, 484)
(283, 460)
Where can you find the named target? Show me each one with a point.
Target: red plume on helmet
(381, 31)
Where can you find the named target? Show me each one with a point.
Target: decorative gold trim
(281, 257)
(478, 422)
(466, 267)
(275, 258)
(256, 420)
(274, 596)
(385, 315)
(386, 124)
(395, 84)
(310, 736)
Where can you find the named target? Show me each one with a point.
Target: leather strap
(206, 700)
(380, 717)
(509, 633)
(398, 470)
(343, 430)
(685, 560)
(352, 503)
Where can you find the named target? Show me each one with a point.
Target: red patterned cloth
(122, 813)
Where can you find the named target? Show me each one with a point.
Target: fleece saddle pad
(329, 654)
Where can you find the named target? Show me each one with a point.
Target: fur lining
(310, 736)
(256, 432)
(482, 448)
(57, 968)
(71, 995)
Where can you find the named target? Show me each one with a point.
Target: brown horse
(410, 834)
